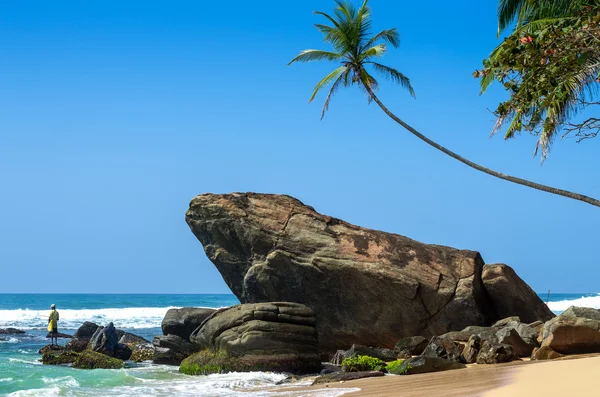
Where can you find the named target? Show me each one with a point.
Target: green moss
(58, 358)
(218, 362)
(361, 363)
(207, 362)
(392, 366)
(400, 369)
(89, 359)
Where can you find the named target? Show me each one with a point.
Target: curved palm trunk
(524, 182)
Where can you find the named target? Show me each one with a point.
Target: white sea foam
(6, 379)
(9, 340)
(584, 301)
(130, 317)
(49, 391)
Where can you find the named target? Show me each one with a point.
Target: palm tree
(523, 12)
(356, 50)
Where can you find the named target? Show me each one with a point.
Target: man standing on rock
(53, 324)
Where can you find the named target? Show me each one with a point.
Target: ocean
(21, 373)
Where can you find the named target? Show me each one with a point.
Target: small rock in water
(11, 331)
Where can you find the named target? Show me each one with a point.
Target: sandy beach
(520, 378)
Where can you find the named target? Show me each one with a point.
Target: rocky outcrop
(279, 334)
(86, 331)
(443, 348)
(182, 322)
(271, 248)
(132, 340)
(511, 296)
(58, 335)
(142, 352)
(471, 350)
(425, 364)
(345, 376)
(171, 349)
(105, 340)
(11, 331)
(575, 331)
(495, 353)
(59, 357)
(89, 359)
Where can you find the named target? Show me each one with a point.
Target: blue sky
(113, 115)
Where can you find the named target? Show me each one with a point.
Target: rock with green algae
(142, 352)
(59, 358)
(209, 361)
(89, 359)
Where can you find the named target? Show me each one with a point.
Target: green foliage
(361, 363)
(207, 362)
(349, 33)
(393, 365)
(550, 65)
(398, 367)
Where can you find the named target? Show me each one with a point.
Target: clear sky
(114, 114)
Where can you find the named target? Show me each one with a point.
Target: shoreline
(518, 378)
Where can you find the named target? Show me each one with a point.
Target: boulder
(443, 348)
(59, 358)
(89, 359)
(51, 349)
(528, 334)
(511, 296)
(123, 352)
(509, 336)
(275, 334)
(132, 340)
(377, 352)
(11, 331)
(544, 353)
(345, 376)
(77, 345)
(182, 322)
(465, 334)
(142, 352)
(271, 248)
(105, 340)
(495, 353)
(425, 364)
(505, 321)
(86, 331)
(171, 349)
(471, 350)
(575, 331)
(413, 345)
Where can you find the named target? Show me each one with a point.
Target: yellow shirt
(54, 319)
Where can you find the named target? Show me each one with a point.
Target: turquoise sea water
(21, 374)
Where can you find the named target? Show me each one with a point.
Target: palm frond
(331, 76)
(389, 35)
(315, 55)
(395, 76)
(375, 51)
(342, 77)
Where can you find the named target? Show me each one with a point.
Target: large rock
(105, 340)
(132, 340)
(413, 345)
(271, 248)
(545, 353)
(425, 364)
(59, 357)
(89, 359)
(575, 331)
(511, 296)
(142, 352)
(182, 322)
(495, 353)
(471, 350)
(443, 348)
(171, 349)
(77, 345)
(509, 336)
(11, 331)
(86, 331)
(276, 333)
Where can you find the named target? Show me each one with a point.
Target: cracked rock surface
(365, 286)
